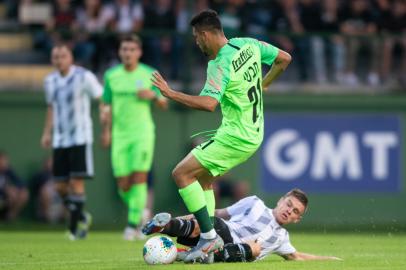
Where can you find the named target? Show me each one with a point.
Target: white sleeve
(92, 85)
(107, 14)
(48, 91)
(241, 206)
(285, 247)
(137, 13)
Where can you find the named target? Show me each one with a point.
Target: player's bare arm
(46, 134)
(204, 103)
(105, 121)
(222, 213)
(300, 256)
(281, 63)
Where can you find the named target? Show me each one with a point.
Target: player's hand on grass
(46, 140)
(162, 85)
(146, 94)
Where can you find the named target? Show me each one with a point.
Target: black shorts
(73, 162)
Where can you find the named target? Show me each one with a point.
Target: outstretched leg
(186, 175)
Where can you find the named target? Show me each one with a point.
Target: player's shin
(136, 203)
(194, 198)
(124, 195)
(211, 203)
(74, 203)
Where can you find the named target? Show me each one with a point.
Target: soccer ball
(159, 250)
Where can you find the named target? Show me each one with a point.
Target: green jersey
(131, 115)
(234, 78)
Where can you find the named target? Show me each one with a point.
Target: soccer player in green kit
(235, 81)
(129, 127)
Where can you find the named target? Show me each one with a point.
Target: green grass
(106, 250)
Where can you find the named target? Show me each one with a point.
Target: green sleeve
(218, 76)
(268, 52)
(107, 90)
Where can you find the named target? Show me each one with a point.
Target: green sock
(211, 203)
(136, 203)
(193, 196)
(124, 195)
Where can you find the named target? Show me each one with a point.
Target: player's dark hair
(131, 38)
(298, 194)
(61, 45)
(207, 20)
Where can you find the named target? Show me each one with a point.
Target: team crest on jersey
(138, 84)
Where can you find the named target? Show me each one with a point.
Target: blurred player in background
(68, 130)
(48, 204)
(250, 230)
(127, 123)
(13, 191)
(234, 79)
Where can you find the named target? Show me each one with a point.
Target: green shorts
(219, 158)
(128, 156)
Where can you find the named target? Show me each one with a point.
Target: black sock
(187, 241)
(74, 203)
(234, 253)
(179, 227)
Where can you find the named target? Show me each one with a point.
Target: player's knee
(124, 184)
(176, 174)
(179, 177)
(23, 195)
(255, 249)
(62, 188)
(139, 177)
(77, 186)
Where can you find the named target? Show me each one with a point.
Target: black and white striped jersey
(70, 97)
(251, 220)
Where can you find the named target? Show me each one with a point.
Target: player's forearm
(300, 256)
(105, 116)
(222, 213)
(282, 61)
(274, 73)
(204, 103)
(48, 121)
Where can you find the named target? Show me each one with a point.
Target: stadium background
(22, 111)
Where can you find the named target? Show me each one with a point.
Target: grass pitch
(106, 250)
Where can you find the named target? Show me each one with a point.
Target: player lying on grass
(250, 229)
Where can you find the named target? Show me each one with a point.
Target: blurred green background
(22, 117)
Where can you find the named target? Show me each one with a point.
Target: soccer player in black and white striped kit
(68, 130)
(250, 230)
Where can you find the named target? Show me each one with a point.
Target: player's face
(201, 41)
(289, 210)
(61, 58)
(130, 53)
